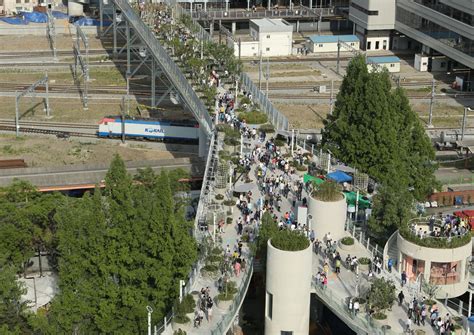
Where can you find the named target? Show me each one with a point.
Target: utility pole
(338, 55)
(260, 72)
(331, 100)
(430, 118)
(149, 310)
(267, 76)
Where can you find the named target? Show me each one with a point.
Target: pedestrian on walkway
(401, 296)
(408, 326)
(404, 278)
(390, 264)
(356, 307)
(237, 267)
(350, 306)
(338, 265)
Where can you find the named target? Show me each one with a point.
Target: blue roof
(333, 38)
(386, 59)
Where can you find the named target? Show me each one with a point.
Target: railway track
(58, 133)
(324, 96)
(5, 122)
(48, 53)
(312, 86)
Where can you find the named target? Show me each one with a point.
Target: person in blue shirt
(390, 264)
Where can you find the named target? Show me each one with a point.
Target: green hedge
(253, 117)
(437, 243)
(268, 128)
(347, 240)
(289, 240)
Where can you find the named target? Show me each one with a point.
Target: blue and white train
(149, 129)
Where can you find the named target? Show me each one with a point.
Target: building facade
(432, 27)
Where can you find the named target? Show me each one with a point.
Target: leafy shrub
(381, 294)
(235, 160)
(219, 197)
(210, 268)
(301, 167)
(364, 261)
(231, 141)
(228, 290)
(186, 306)
(229, 220)
(289, 240)
(229, 202)
(253, 117)
(279, 143)
(224, 155)
(437, 243)
(327, 191)
(245, 101)
(179, 332)
(267, 128)
(379, 316)
(347, 240)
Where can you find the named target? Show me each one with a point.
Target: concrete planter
(223, 304)
(328, 217)
(364, 267)
(290, 303)
(346, 247)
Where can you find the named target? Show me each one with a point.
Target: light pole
(149, 310)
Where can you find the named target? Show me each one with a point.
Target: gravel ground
(37, 43)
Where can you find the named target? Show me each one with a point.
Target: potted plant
(229, 220)
(364, 264)
(346, 243)
(179, 331)
(219, 198)
(184, 311)
(381, 296)
(229, 203)
(226, 295)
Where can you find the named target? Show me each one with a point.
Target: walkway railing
(171, 70)
(297, 12)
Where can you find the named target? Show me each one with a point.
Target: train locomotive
(150, 129)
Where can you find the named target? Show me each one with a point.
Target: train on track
(150, 129)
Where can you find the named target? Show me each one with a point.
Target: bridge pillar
(211, 28)
(203, 143)
(297, 26)
(234, 27)
(287, 306)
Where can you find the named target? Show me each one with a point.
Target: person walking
(404, 278)
(356, 307)
(401, 296)
(408, 326)
(390, 264)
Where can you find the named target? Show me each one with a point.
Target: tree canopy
(118, 250)
(374, 129)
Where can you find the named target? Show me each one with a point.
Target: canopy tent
(339, 177)
(351, 200)
(308, 177)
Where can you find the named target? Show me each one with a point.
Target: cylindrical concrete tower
(327, 217)
(288, 291)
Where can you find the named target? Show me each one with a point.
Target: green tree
(381, 294)
(12, 309)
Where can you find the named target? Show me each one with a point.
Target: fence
(299, 12)
(363, 239)
(225, 323)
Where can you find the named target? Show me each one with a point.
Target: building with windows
(328, 43)
(391, 63)
(270, 37)
(434, 28)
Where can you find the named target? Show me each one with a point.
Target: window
(369, 45)
(269, 305)
(443, 64)
(385, 44)
(268, 49)
(392, 65)
(268, 36)
(352, 44)
(365, 11)
(320, 45)
(286, 332)
(377, 45)
(445, 273)
(18, 1)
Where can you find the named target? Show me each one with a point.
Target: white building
(373, 22)
(271, 37)
(391, 63)
(328, 43)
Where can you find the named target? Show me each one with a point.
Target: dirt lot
(304, 116)
(70, 110)
(36, 43)
(444, 115)
(44, 151)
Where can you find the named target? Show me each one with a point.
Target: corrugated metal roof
(333, 38)
(383, 59)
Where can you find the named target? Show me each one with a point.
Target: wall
(447, 198)
(288, 281)
(330, 47)
(384, 19)
(421, 63)
(439, 64)
(278, 44)
(391, 67)
(10, 6)
(371, 43)
(327, 217)
(247, 49)
(429, 255)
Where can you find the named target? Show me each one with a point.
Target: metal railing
(170, 69)
(279, 120)
(298, 12)
(360, 323)
(224, 324)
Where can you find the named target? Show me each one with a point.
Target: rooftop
(272, 25)
(383, 60)
(333, 38)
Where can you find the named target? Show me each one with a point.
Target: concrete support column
(287, 306)
(234, 27)
(427, 272)
(211, 28)
(202, 143)
(297, 26)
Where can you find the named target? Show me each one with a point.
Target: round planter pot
(364, 267)
(224, 304)
(183, 326)
(346, 247)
